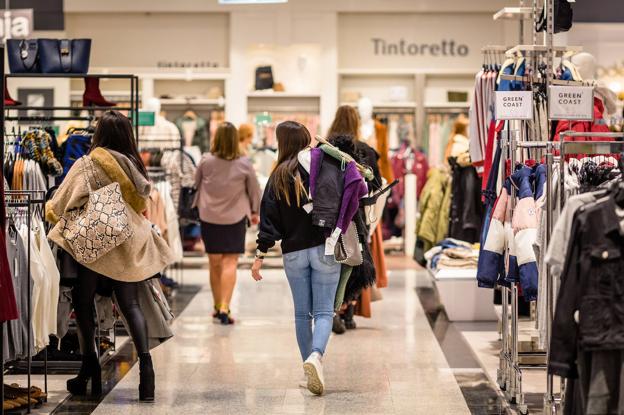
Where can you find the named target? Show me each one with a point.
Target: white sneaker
(313, 368)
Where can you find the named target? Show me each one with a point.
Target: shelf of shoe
(92, 108)
(70, 75)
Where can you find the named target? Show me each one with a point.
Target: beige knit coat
(145, 253)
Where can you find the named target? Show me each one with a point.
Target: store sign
(571, 103)
(16, 24)
(413, 41)
(402, 47)
(514, 105)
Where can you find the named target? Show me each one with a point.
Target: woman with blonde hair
(228, 197)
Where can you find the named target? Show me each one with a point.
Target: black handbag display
(23, 55)
(186, 210)
(64, 55)
(563, 17)
(264, 78)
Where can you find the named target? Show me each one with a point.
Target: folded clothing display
(452, 254)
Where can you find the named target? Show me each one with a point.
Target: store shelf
(448, 105)
(273, 94)
(219, 102)
(387, 104)
(514, 13)
(186, 74)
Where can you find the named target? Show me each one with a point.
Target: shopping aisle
(391, 365)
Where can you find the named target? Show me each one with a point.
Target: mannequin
(367, 123)
(164, 133)
(587, 68)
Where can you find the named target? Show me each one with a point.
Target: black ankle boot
(348, 317)
(147, 384)
(89, 370)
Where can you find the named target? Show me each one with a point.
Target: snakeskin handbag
(102, 224)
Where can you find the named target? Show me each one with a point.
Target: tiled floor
(392, 364)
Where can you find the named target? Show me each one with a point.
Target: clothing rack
(24, 199)
(509, 374)
(133, 109)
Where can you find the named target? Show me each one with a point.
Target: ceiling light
(251, 1)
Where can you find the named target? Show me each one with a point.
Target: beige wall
(144, 39)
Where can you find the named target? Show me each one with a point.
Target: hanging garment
(433, 222)
(180, 172)
(382, 147)
(163, 134)
(16, 335)
(587, 332)
(466, 214)
(76, 146)
(8, 305)
(196, 128)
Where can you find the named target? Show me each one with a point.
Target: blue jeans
(313, 278)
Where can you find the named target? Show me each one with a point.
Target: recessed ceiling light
(251, 1)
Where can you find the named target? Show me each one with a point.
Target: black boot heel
(90, 370)
(147, 383)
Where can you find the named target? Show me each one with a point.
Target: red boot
(92, 95)
(8, 101)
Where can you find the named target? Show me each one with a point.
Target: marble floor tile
(392, 364)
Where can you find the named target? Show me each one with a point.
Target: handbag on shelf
(348, 249)
(23, 55)
(99, 226)
(264, 78)
(64, 55)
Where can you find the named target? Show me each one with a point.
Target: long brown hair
(225, 143)
(292, 137)
(114, 132)
(346, 122)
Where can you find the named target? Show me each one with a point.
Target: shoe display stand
(133, 108)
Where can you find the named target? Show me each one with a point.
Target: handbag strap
(65, 53)
(29, 51)
(85, 173)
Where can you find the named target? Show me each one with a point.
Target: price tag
(571, 103)
(514, 105)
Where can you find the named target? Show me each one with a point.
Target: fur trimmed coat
(142, 255)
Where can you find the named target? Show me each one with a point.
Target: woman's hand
(255, 269)
(255, 219)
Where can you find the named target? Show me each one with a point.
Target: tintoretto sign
(401, 47)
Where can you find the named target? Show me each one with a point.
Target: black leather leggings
(83, 295)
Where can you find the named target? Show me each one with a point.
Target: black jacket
(592, 283)
(328, 192)
(290, 224)
(466, 214)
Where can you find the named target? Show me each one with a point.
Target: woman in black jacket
(313, 276)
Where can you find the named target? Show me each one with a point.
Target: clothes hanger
(333, 151)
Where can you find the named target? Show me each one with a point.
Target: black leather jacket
(592, 283)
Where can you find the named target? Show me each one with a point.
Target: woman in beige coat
(113, 158)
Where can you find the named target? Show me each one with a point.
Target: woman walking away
(313, 276)
(228, 196)
(112, 160)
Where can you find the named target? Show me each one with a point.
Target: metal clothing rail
(24, 199)
(133, 109)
